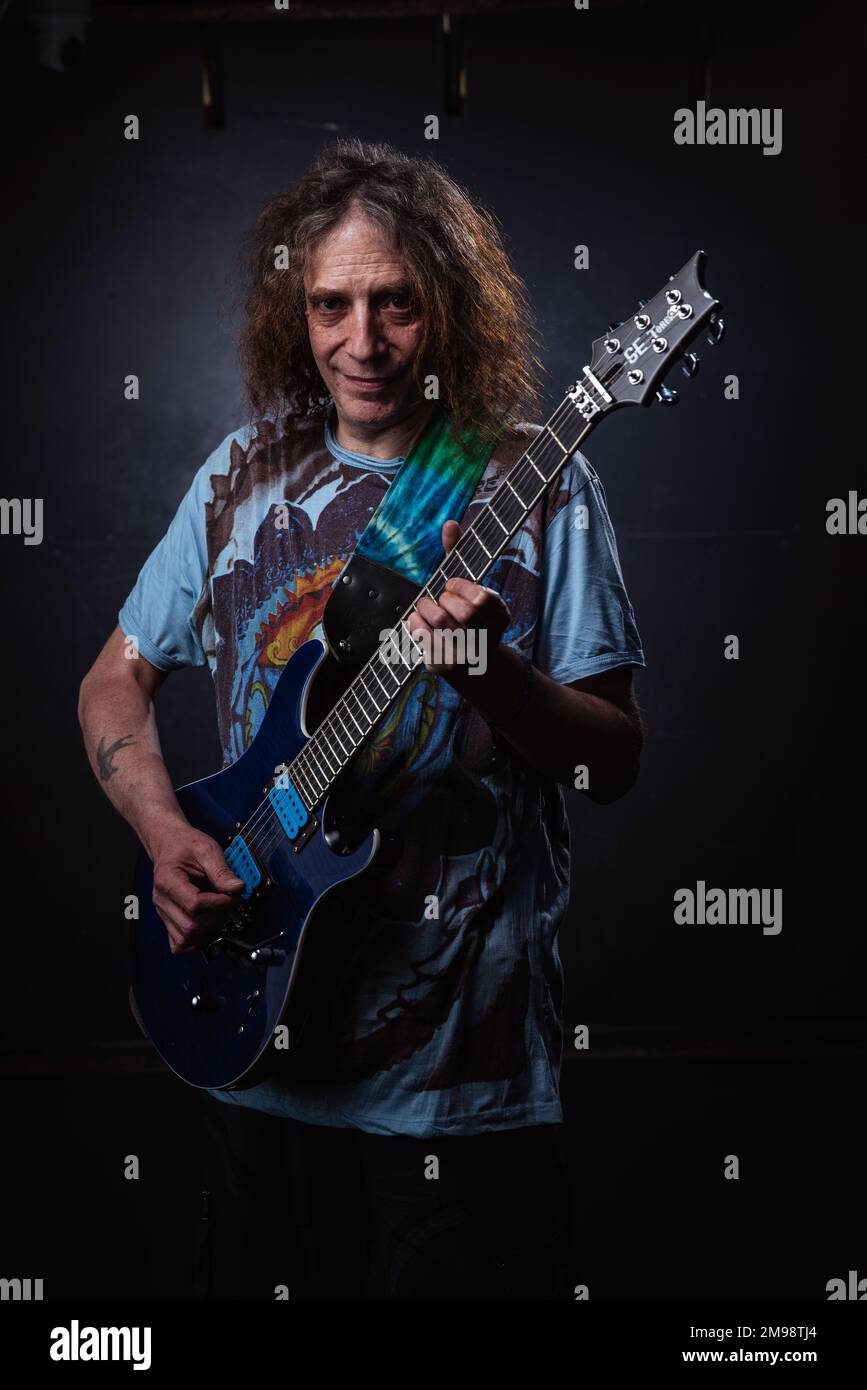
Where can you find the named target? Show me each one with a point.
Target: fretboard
(371, 692)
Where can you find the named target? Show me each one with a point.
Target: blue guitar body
(211, 1013)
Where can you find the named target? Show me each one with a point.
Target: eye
(401, 302)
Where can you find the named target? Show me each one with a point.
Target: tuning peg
(666, 396)
(716, 329)
(689, 365)
(618, 324)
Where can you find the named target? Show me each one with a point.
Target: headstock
(628, 362)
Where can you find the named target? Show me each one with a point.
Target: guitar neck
(375, 687)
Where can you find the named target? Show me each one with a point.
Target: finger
(179, 946)
(172, 914)
(174, 886)
(177, 888)
(174, 936)
(466, 588)
(219, 874)
(451, 534)
(180, 933)
(202, 913)
(421, 635)
(177, 943)
(486, 606)
(429, 611)
(213, 905)
(460, 611)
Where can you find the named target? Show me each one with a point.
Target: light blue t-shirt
(424, 1026)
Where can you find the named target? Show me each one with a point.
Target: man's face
(362, 331)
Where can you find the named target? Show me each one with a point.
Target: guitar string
(272, 828)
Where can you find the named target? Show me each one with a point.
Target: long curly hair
(477, 328)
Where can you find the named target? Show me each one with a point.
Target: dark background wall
(119, 258)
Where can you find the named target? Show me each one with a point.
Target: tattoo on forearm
(105, 756)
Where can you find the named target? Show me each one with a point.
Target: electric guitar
(212, 1013)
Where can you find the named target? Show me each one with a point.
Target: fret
(323, 747)
(369, 696)
(314, 747)
(352, 716)
(301, 777)
(313, 773)
(385, 667)
(308, 771)
(341, 710)
(557, 441)
(527, 484)
(352, 691)
(328, 728)
(357, 712)
(336, 730)
(509, 511)
(492, 529)
(398, 668)
(434, 587)
(414, 649)
(310, 775)
(443, 575)
(379, 682)
(533, 466)
(497, 543)
(477, 555)
(480, 542)
(556, 456)
(461, 559)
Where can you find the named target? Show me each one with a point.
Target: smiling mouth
(368, 380)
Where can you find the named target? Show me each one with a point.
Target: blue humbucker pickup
(241, 862)
(288, 806)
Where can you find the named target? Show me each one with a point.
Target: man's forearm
(122, 744)
(556, 729)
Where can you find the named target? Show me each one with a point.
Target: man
(428, 1073)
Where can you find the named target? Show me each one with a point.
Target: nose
(364, 339)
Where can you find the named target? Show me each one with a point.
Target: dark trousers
(336, 1213)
